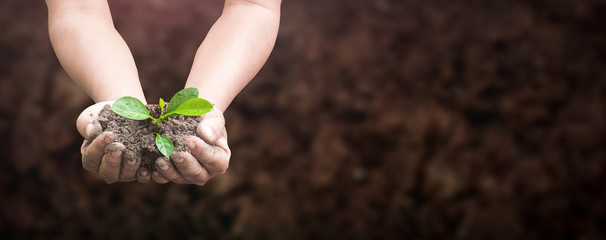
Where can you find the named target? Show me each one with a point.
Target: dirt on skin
(138, 135)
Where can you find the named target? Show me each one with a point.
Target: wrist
(115, 95)
(217, 98)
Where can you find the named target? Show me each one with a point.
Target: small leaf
(161, 106)
(164, 144)
(130, 107)
(194, 107)
(180, 98)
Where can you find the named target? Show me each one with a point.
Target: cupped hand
(208, 158)
(99, 154)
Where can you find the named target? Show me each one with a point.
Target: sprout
(185, 102)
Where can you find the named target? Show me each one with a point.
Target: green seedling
(185, 102)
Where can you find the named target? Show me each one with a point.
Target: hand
(108, 165)
(209, 155)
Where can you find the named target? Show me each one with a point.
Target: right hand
(110, 165)
(208, 156)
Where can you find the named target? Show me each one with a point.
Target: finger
(222, 143)
(224, 133)
(88, 115)
(83, 124)
(111, 163)
(92, 131)
(158, 178)
(93, 153)
(190, 168)
(129, 168)
(168, 171)
(84, 145)
(143, 175)
(95, 130)
(211, 127)
(213, 158)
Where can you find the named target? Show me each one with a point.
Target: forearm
(234, 50)
(91, 51)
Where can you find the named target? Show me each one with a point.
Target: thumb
(86, 122)
(211, 127)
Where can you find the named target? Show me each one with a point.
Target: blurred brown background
(383, 119)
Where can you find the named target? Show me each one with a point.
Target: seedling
(185, 102)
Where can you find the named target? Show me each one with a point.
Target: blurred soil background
(383, 119)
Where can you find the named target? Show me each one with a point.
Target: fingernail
(131, 162)
(155, 174)
(222, 142)
(144, 173)
(116, 154)
(162, 166)
(89, 130)
(191, 145)
(178, 158)
(109, 137)
(208, 132)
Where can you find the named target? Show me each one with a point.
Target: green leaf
(164, 144)
(161, 106)
(130, 107)
(193, 107)
(180, 98)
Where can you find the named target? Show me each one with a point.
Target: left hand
(110, 166)
(209, 155)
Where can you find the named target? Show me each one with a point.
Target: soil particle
(138, 135)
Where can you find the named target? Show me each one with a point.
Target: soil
(138, 135)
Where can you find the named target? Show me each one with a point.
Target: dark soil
(138, 135)
(386, 119)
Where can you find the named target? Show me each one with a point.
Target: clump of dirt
(138, 135)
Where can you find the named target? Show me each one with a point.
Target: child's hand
(108, 165)
(209, 155)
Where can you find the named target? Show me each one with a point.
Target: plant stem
(157, 122)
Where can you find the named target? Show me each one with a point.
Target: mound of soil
(138, 135)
